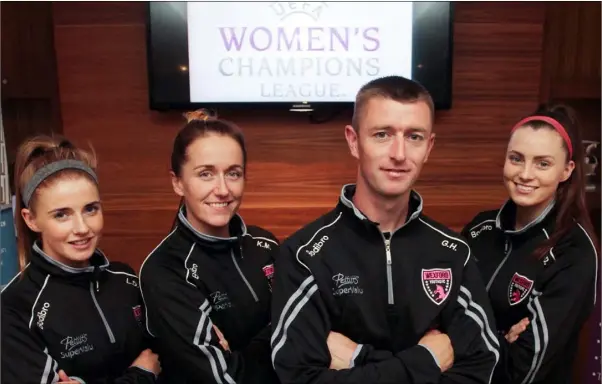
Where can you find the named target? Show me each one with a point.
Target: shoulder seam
(449, 236)
(15, 277)
(481, 223)
(596, 258)
(312, 238)
(262, 238)
(120, 273)
(140, 279)
(37, 298)
(186, 262)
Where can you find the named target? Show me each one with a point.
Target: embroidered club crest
(437, 284)
(519, 288)
(268, 271)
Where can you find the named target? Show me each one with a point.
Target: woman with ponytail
(538, 253)
(70, 315)
(207, 285)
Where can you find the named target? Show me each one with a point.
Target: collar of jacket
(85, 275)
(356, 216)
(238, 229)
(506, 216)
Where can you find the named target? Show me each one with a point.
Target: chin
(525, 201)
(394, 189)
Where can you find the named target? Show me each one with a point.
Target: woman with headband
(538, 254)
(207, 285)
(70, 315)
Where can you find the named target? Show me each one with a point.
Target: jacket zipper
(499, 267)
(102, 315)
(391, 301)
(243, 277)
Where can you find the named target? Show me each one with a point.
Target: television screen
(293, 53)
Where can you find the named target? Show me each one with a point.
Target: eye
(60, 215)
(205, 175)
(235, 175)
(416, 137)
(91, 208)
(381, 135)
(544, 164)
(514, 158)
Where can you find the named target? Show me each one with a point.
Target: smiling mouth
(218, 205)
(395, 172)
(82, 242)
(524, 188)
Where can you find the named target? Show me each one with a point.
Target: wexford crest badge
(437, 284)
(268, 271)
(519, 288)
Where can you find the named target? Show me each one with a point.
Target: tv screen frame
(168, 58)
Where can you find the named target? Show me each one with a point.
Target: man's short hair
(396, 88)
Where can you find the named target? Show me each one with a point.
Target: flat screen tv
(296, 55)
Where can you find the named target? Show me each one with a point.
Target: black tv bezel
(429, 76)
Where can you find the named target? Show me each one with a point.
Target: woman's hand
(65, 379)
(222, 340)
(516, 330)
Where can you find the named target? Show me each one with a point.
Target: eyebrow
(539, 157)
(210, 166)
(388, 128)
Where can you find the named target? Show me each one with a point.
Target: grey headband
(52, 168)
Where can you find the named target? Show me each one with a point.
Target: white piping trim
(450, 237)
(140, 279)
(15, 277)
(33, 307)
(481, 223)
(262, 238)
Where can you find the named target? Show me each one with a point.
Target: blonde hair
(32, 155)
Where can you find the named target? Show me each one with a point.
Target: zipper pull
(388, 249)
(95, 276)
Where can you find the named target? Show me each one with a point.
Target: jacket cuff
(149, 376)
(355, 355)
(420, 365)
(432, 354)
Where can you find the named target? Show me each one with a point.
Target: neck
(390, 213)
(207, 229)
(526, 215)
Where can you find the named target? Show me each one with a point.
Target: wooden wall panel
(571, 57)
(296, 169)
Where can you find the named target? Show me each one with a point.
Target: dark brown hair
(395, 88)
(32, 155)
(201, 123)
(571, 204)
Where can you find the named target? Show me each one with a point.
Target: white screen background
(275, 73)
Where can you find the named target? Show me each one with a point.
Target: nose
(526, 172)
(397, 150)
(80, 226)
(221, 188)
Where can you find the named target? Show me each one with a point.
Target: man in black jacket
(374, 291)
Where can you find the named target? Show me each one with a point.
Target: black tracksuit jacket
(192, 281)
(383, 291)
(557, 292)
(85, 321)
